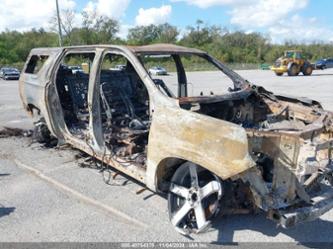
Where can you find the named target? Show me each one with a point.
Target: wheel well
(165, 170)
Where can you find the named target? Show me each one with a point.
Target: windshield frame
(239, 83)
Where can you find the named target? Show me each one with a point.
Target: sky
(298, 20)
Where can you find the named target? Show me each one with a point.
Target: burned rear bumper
(291, 216)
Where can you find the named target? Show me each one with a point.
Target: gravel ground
(45, 196)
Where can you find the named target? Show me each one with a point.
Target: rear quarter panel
(214, 144)
(32, 86)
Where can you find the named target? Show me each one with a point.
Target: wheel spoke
(179, 190)
(194, 176)
(200, 217)
(180, 214)
(210, 188)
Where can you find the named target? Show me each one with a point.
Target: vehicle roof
(161, 48)
(164, 48)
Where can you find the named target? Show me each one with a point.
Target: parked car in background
(120, 67)
(158, 71)
(324, 63)
(76, 69)
(9, 73)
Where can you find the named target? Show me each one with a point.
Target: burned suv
(209, 151)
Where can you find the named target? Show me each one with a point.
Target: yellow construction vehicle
(292, 63)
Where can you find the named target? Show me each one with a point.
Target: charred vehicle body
(247, 148)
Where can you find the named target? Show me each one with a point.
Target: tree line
(227, 46)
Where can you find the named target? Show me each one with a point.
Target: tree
(163, 33)
(167, 33)
(229, 47)
(197, 36)
(67, 17)
(94, 28)
(97, 29)
(15, 46)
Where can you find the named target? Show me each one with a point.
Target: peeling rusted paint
(279, 147)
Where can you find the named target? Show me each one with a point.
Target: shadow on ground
(315, 231)
(4, 211)
(314, 74)
(324, 74)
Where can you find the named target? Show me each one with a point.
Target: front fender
(217, 145)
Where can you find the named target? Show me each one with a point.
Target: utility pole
(59, 24)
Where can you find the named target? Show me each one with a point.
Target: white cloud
(300, 29)
(23, 15)
(279, 18)
(160, 15)
(264, 12)
(281, 21)
(111, 8)
(210, 3)
(253, 13)
(123, 31)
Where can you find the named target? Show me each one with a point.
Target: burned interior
(236, 144)
(124, 104)
(290, 141)
(125, 110)
(72, 89)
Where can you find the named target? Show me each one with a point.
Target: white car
(119, 67)
(157, 71)
(76, 69)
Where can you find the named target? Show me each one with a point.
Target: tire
(278, 74)
(293, 70)
(42, 133)
(193, 199)
(307, 69)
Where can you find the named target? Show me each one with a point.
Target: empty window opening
(186, 75)
(203, 77)
(72, 85)
(36, 62)
(125, 109)
(163, 71)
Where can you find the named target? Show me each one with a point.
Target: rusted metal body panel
(226, 145)
(217, 145)
(279, 147)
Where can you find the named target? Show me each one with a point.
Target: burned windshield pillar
(182, 80)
